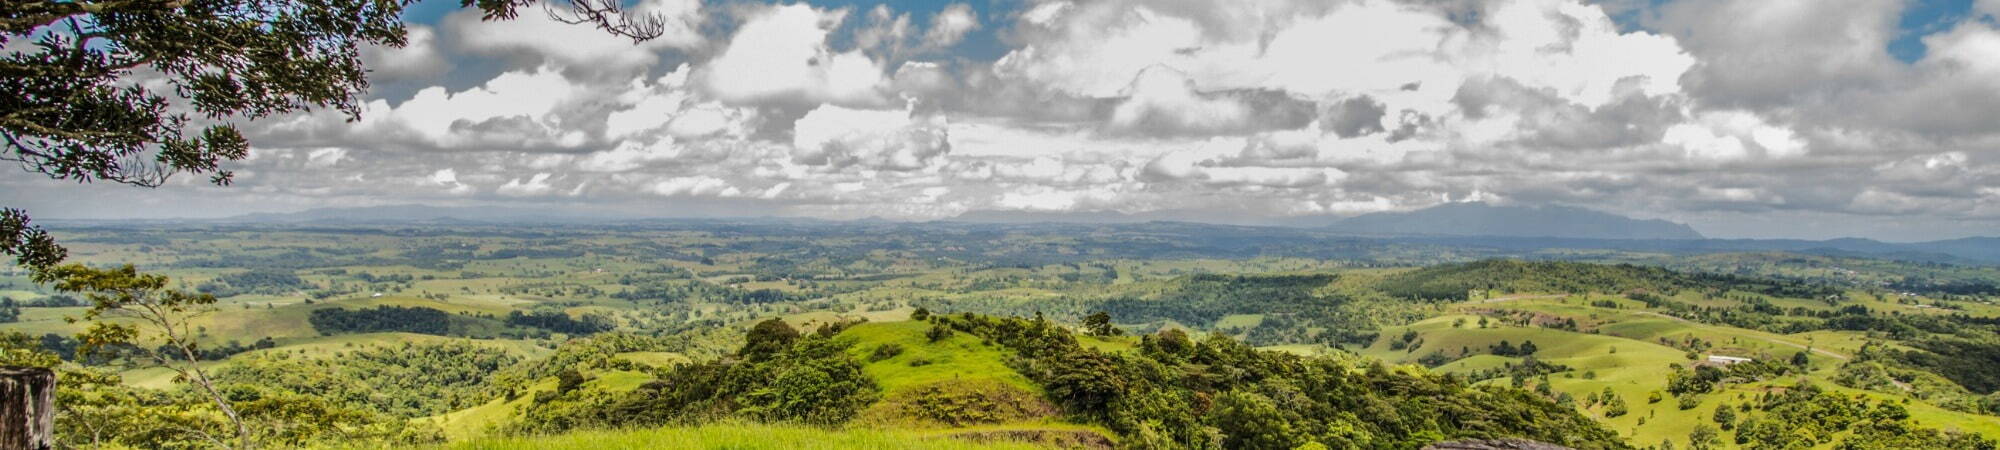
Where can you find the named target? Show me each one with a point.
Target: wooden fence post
(27, 408)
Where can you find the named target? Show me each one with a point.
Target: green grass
(1297, 349)
(1239, 322)
(479, 420)
(1633, 370)
(738, 437)
(958, 358)
(655, 359)
(1108, 344)
(1638, 366)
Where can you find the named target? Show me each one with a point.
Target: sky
(1746, 119)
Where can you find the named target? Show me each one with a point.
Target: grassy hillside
(679, 299)
(960, 358)
(1626, 352)
(484, 419)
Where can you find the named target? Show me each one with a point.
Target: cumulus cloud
(536, 35)
(417, 59)
(950, 25)
(515, 109)
(530, 186)
(447, 178)
(840, 137)
(781, 54)
(695, 186)
(1163, 102)
(1730, 135)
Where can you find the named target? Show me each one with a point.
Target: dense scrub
(778, 376)
(1175, 393)
(1805, 416)
(257, 281)
(381, 318)
(560, 322)
(407, 380)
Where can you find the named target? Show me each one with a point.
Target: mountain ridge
(1481, 219)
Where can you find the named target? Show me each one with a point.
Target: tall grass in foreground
(736, 437)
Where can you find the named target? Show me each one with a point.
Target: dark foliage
(1171, 390)
(381, 318)
(768, 338)
(561, 322)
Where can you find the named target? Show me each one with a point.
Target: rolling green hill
(1267, 343)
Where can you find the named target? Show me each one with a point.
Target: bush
(768, 338)
(885, 351)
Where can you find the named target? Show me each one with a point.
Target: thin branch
(611, 16)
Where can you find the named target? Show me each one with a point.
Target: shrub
(885, 351)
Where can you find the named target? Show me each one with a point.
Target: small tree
(1704, 437)
(1099, 324)
(768, 338)
(1248, 420)
(163, 313)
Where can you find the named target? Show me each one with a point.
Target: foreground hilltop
(987, 378)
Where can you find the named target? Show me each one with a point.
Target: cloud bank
(1268, 110)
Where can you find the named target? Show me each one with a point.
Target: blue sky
(1923, 18)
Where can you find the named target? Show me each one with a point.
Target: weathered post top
(27, 408)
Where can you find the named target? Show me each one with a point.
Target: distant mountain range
(1480, 219)
(1451, 219)
(1511, 228)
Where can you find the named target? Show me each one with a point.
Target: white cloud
(696, 186)
(515, 108)
(886, 30)
(418, 59)
(780, 54)
(325, 157)
(629, 155)
(878, 139)
(1972, 47)
(448, 178)
(1731, 135)
(533, 186)
(535, 33)
(950, 25)
(1162, 100)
